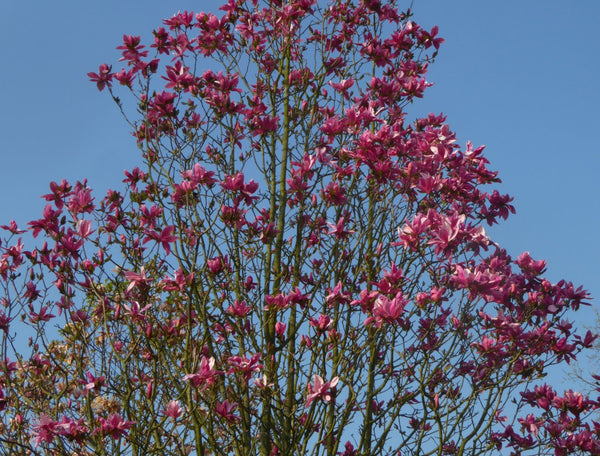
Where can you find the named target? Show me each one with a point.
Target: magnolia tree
(294, 268)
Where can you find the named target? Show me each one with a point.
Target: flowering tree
(294, 268)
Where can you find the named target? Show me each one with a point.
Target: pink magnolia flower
(165, 237)
(59, 193)
(114, 426)
(280, 329)
(322, 324)
(93, 383)
(529, 265)
(132, 49)
(199, 175)
(225, 409)
(73, 430)
(336, 295)
(173, 410)
(411, 232)
(334, 194)
(137, 279)
(206, 374)
(276, 302)
(45, 430)
(215, 265)
(179, 282)
(446, 232)
(81, 200)
(102, 78)
(386, 309)
(245, 366)
(262, 382)
(320, 389)
(135, 311)
(239, 309)
(84, 228)
(13, 228)
(4, 323)
(342, 86)
(531, 424)
(339, 230)
(43, 315)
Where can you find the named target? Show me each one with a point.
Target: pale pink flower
(320, 389)
(173, 410)
(137, 279)
(262, 382)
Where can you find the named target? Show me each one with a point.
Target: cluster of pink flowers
(289, 221)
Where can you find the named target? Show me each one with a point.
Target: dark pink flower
(225, 409)
(239, 309)
(322, 324)
(280, 329)
(165, 237)
(339, 230)
(245, 366)
(93, 383)
(12, 228)
(114, 426)
(102, 78)
(206, 374)
(45, 430)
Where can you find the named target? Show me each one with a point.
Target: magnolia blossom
(226, 409)
(262, 382)
(137, 279)
(386, 309)
(320, 389)
(173, 410)
(205, 376)
(113, 426)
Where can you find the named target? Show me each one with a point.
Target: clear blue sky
(519, 77)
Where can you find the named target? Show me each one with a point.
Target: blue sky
(519, 77)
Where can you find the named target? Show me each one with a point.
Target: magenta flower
(45, 430)
(103, 78)
(245, 366)
(339, 230)
(446, 232)
(13, 228)
(135, 311)
(239, 309)
(322, 324)
(280, 329)
(165, 237)
(43, 315)
(73, 430)
(114, 426)
(225, 409)
(139, 280)
(386, 309)
(84, 228)
(320, 389)
(81, 200)
(206, 374)
(93, 383)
